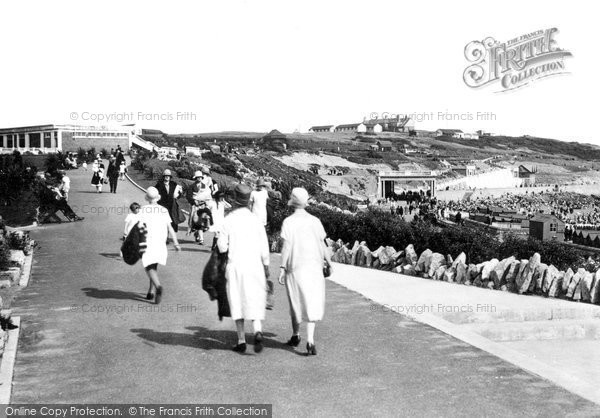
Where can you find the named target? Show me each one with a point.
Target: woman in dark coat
(112, 173)
(169, 193)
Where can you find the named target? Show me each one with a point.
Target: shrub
(4, 256)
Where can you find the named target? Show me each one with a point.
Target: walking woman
(158, 223)
(98, 176)
(244, 238)
(113, 174)
(302, 260)
(169, 193)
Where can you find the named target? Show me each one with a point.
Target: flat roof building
(43, 139)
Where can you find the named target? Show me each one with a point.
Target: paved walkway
(73, 349)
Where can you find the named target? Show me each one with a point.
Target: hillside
(347, 163)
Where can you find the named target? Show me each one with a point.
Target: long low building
(65, 138)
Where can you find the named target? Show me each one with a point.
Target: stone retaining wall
(510, 275)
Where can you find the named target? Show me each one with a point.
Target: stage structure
(386, 181)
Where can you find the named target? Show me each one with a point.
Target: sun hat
(197, 174)
(261, 183)
(241, 195)
(152, 194)
(298, 198)
(167, 172)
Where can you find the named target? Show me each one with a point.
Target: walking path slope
(88, 336)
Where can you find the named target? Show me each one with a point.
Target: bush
(4, 256)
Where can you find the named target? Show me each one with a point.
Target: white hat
(298, 198)
(167, 172)
(152, 194)
(197, 174)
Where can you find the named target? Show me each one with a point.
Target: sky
(189, 66)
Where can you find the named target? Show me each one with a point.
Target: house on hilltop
(351, 127)
(393, 124)
(322, 128)
(452, 133)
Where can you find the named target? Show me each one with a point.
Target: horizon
(289, 67)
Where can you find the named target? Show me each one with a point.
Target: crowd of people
(239, 231)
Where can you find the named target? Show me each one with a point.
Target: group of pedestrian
(241, 234)
(117, 167)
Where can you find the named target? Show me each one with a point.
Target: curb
(26, 272)
(8, 362)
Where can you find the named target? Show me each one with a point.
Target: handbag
(326, 269)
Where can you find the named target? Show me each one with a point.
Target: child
(131, 219)
(122, 170)
(200, 220)
(84, 165)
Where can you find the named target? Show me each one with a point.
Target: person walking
(198, 195)
(113, 174)
(158, 226)
(258, 201)
(217, 207)
(98, 176)
(169, 193)
(244, 238)
(302, 260)
(122, 170)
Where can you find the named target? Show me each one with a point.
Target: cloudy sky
(259, 65)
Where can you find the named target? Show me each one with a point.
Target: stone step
(569, 329)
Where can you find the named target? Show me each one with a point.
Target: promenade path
(88, 336)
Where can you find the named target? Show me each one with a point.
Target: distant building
(323, 128)
(526, 175)
(351, 127)
(394, 124)
(547, 227)
(66, 138)
(465, 170)
(467, 135)
(384, 145)
(193, 151)
(482, 133)
(373, 127)
(452, 133)
(151, 134)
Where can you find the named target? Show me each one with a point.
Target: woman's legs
(310, 332)
(239, 325)
(152, 272)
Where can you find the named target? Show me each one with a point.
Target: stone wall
(70, 144)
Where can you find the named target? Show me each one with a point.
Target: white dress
(157, 221)
(258, 201)
(217, 210)
(305, 284)
(245, 238)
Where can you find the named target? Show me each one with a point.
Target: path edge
(7, 366)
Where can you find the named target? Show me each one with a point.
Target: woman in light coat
(158, 224)
(244, 238)
(303, 257)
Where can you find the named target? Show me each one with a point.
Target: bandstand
(386, 181)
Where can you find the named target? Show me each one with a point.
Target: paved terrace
(89, 336)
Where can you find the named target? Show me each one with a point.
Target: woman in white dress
(158, 224)
(244, 238)
(217, 206)
(302, 259)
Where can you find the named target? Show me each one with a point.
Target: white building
(322, 128)
(193, 151)
(42, 139)
(352, 127)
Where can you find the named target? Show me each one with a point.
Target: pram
(200, 220)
